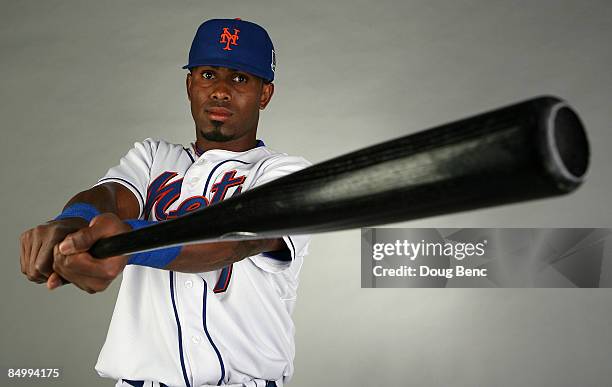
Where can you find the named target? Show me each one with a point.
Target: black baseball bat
(533, 149)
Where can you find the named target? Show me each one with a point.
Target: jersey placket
(192, 291)
(196, 345)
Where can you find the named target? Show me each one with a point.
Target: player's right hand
(37, 246)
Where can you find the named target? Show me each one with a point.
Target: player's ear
(188, 85)
(266, 95)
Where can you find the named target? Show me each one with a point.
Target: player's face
(225, 104)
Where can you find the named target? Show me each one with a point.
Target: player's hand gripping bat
(529, 150)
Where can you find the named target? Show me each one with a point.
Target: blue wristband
(159, 258)
(79, 210)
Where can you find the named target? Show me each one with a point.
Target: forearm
(73, 262)
(37, 243)
(204, 257)
(109, 197)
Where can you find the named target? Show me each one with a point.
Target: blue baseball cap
(236, 44)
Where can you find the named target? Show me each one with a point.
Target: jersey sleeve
(134, 170)
(296, 245)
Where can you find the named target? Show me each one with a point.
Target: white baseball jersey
(229, 326)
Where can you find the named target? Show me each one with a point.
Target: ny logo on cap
(228, 38)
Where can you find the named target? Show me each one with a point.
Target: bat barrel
(530, 150)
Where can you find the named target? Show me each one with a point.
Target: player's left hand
(72, 262)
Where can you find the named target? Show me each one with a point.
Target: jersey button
(189, 284)
(196, 339)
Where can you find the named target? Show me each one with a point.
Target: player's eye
(207, 75)
(239, 78)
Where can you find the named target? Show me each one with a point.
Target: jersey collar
(199, 152)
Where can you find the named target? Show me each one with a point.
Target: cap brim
(230, 65)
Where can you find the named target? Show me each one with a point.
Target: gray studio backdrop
(81, 81)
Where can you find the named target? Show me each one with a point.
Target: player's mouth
(218, 113)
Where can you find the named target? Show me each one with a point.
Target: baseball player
(202, 314)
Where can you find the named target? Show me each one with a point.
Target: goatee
(215, 135)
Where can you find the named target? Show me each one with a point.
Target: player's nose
(221, 92)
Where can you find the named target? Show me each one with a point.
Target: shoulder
(161, 148)
(273, 165)
(274, 159)
(159, 144)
